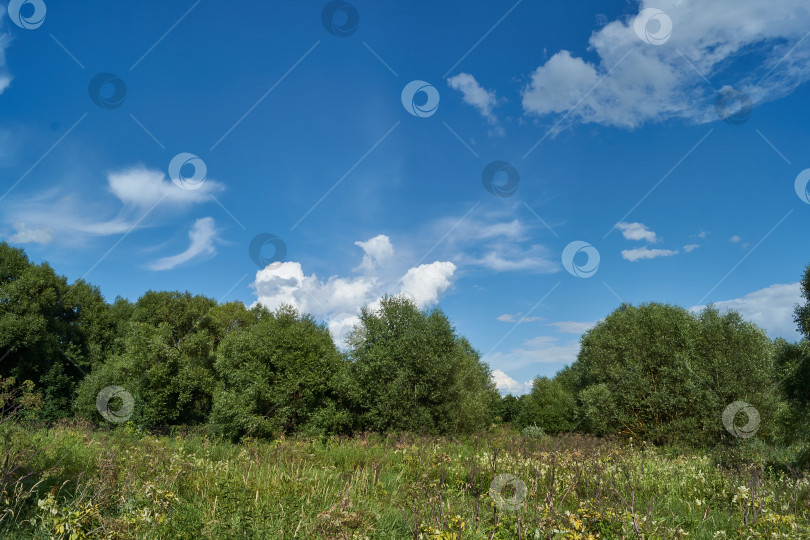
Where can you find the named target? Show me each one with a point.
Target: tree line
(654, 372)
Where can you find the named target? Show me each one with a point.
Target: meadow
(79, 481)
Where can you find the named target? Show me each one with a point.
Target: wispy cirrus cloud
(202, 237)
(5, 40)
(496, 240)
(67, 216)
(573, 327)
(770, 308)
(476, 95)
(518, 317)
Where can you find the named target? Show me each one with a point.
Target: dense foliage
(653, 372)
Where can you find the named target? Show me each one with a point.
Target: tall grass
(77, 482)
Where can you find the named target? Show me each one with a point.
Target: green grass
(123, 484)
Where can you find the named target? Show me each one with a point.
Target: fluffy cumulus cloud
(375, 252)
(637, 231)
(202, 236)
(507, 385)
(638, 254)
(338, 300)
(770, 308)
(630, 82)
(426, 282)
(71, 218)
(476, 95)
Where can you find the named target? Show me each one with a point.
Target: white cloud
(770, 308)
(5, 39)
(202, 236)
(27, 235)
(426, 282)
(73, 218)
(509, 258)
(376, 251)
(573, 327)
(474, 94)
(518, 317)
(637, 231)
(690, 247)
(143, 188)
(631, 82)
(496, 241)
(645, 253)
(735, 239)
(538, 350)
(338, 300)
(507, 385)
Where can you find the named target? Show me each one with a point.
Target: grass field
(83, 483)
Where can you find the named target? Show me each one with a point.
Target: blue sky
(665, 136)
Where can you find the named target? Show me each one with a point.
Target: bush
(533, 432)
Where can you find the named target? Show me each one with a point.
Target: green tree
(277, 377)
(164, 359)
(549, 406)
(507, 408)
(661, 373)
(410, 371)
(802, 313)
(51, 333)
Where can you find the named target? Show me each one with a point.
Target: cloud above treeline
(338, 299)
